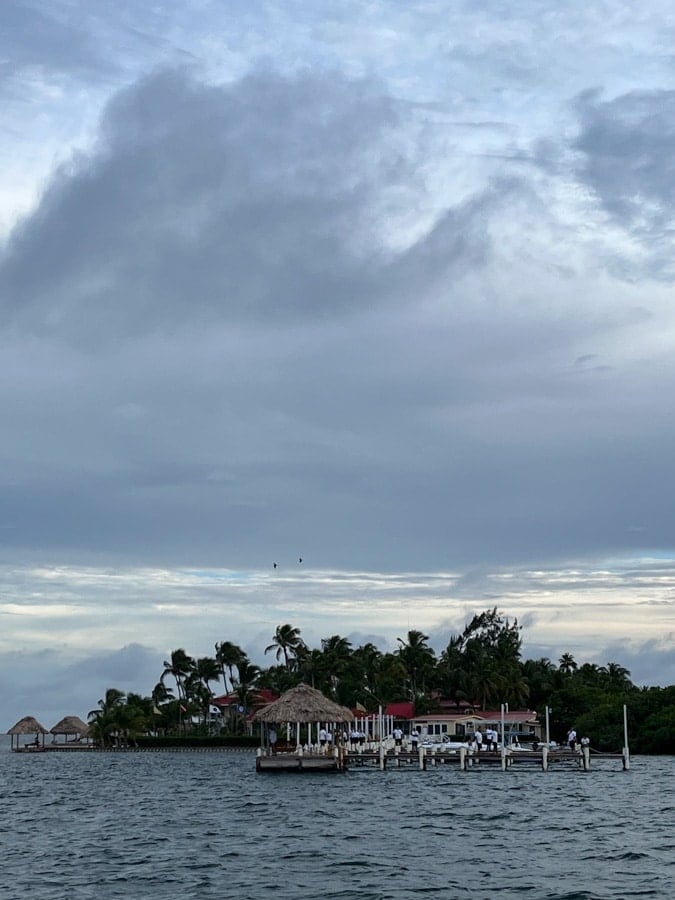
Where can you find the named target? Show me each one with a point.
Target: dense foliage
(481, 667)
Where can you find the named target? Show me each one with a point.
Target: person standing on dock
(398, 737)
(478, 740)
(414, 738)
(273, 738)
(572, 739)
(322, 740)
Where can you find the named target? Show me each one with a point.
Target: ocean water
(205, 825)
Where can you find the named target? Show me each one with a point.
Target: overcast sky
(384, 285)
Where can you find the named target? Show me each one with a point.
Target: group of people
(487, 741)
(572, 740)
(325, 740)
(413, 738)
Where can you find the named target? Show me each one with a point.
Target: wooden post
(462, 758)
(379, 722)
(544, 758)
(503, 741)
(586, 753)
(422, 758)
(626, 752)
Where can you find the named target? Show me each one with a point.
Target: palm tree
(106, 721)
(418, 658)
(618, 675)
(248, 676)
(136, 716)
(206, 670)
(178, 667)
(567, 664)
(365, 665)
(310, 668)
(286, 643)
(228, 655)
(336, 652)
(161, 693)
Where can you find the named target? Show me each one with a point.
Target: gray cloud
(247, 203)
(34, 36)
(301, 312)
(51, 685)
(627, 159)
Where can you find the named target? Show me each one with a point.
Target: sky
(384, 286)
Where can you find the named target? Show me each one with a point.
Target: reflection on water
(205, 825)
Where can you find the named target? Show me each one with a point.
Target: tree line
(482, 668)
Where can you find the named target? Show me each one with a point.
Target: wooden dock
(344, 759)
(427, 758)
(300, 763)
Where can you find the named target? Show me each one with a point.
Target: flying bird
(300, 560)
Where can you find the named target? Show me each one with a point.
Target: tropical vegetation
(480, 668)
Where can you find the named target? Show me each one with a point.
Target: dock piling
(586, 754)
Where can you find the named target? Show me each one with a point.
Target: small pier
(301, 762)
(374, 757)
(425, 758)
(307, 708)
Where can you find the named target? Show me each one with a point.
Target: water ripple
(203, 826)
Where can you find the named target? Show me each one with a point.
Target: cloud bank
(395, 298)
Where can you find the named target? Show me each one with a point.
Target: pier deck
(372, 758)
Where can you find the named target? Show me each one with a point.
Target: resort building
(520, 724)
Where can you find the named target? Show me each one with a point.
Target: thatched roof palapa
(303, 704)
(70, 725)
(28, 725)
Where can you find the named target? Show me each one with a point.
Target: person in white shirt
(414, 738)
(572, 739)
(478, 738)
(398, 737)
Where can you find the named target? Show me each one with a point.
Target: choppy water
(195, 825)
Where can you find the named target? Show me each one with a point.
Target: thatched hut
(303, 705)
(70, 727)
(28, 725)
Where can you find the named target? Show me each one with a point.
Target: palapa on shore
(27, 725)
(70, 726)
(303, 704)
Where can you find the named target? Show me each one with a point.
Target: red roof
(259, 697)
(403, 710)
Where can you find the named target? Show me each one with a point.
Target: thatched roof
(70, 725)
(303, 704)
(28, 725)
